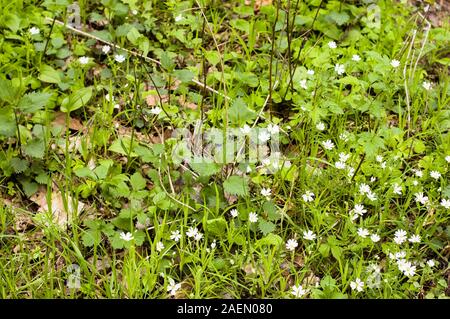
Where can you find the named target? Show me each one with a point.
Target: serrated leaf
(35, 148)
(205, 168)
(76, 100)
(266, 227)
(272, 211)
(49, 75)
(236, 185)
(184, 76)
(91, 237)
(137, 181)
(167, 62)
(33, 102)
(29, 187)
(7, 91)
(7, 123)
(19, 165)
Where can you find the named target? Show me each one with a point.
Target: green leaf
(184, 76)
(324, 250)
(12, 22)
(339, 17)
(35, 148)
(266, 227)
(216, 227)
(213, 57)
(122, 146)
(239, 113)
(33, 102)
(91, 237)
(236, 185)
(29, 187)
(49, 75)
(76, 100)
(272, 211)
(205, 168)
(137, 181)
(19, 165)
(133, 35)
(7, 91)
(269, 240)
(167, 62)
(7, 123)
(83, 172)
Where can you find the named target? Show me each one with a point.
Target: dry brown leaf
(60, 120)
(186, 104)
(258, 3)
(153, 99)
(61, 216)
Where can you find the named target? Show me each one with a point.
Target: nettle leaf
(49, 75)
(239, 113)
(19, 165)
(266, 227)
(204, 168)
(33, 102)
(29, 187)
(216, 227)
(339, 17)
(133, 35)
(236, 185)
(7, 123)
(371, 143)
(137, 181)
(184, 76)
(272, 211)
(76, 100)
(167, 62)
(35, 148)
(7, 91)
(91, 237)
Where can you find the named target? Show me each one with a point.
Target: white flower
(373, 179)
(178, 18)
(119, 58)
(435, 174)
(332, 45)
(418, 173)
(134, 11)
(415, 239)
(364, 188)
(106, 49)
(431, 263)
(421, 198)
(234, 213)
(253, 217)
(109, 98)
(291, 244)
(426, 85)
(159, 246)
(400, 255)
(379, 158)
(298, 291)
(248, 169)
(343, 136)
(363, 232)
(445, 203)
(175, 235)
(447, 158)
(310, 72)
(266, 192)
(34, 31)
(340, 165)
(198, 236)
(395, 63)
(343, 157)
(273, 129)
(309, 235)
(339, 69)
(127, 237)
(328, 145)
(408, 269)
(320, 126)
(359, 210)
(303, 84)
(83, 60)
(246, 129)
(192, 232)
(356, 58)
(351, 172)
(375, 238)
(400, 236)
(264, 136)
(172, 287)
(383, 165)
(371, 196)
(396, 189)
(213, 244)
(266, 161)
(308, 196)
(156, 110)
(357, 285)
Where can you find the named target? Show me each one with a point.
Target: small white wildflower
(431, 263)
(435, 174)
(395, 63)
(426, 85)
(234, 213)
(291, 244)
(253, 217)
(373, 179)
(264, 136)
(159, 246)
(400, 236)
(383, 165)
(371, 196)
(178, 18)
(303, 84)
(363, 232)
(332, 45)
(192, 232)
(364, 188)
(418, 173)
(175, 235)
(83, 60)
(339, 69)
(308, 196)
(172, 287)
(359, 210)
(356, 58)
(343, 136)
(445, 203)
(343, 157)
(379, 158)
(106, 49)
(310, 72)
(396, 189)
(134, 11)
(409, 270)
(421, 198)
(266, 192)
(298, 291)
(155, 110)
(447, 158)
(415, 183)
(273, 129)
(34, 31)
(127, 237)
(246, 129)
(198, 236)
(400, 255)
(375, 238)
(340, 165)
(415, 239)
(213, 244)
(119, 58)
(320, 126)
(357, 285)
(328, 145)
(309, 235)
(351, 172)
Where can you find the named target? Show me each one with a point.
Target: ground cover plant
(335, 183)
